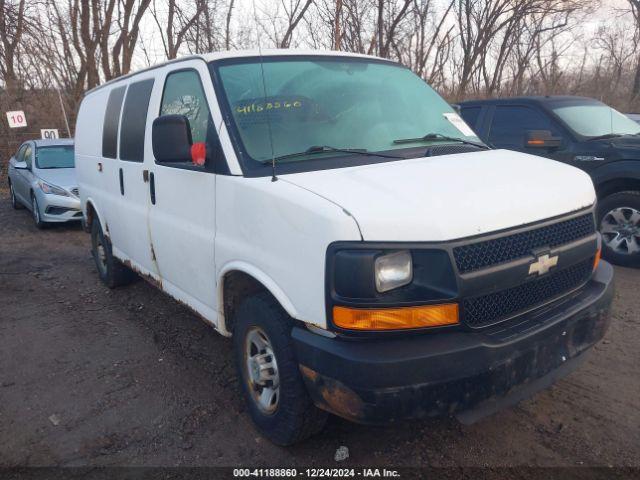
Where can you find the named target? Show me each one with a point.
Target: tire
(112, 273)
(294, 417)
(35, 213)
(14, 201)
(619, 224)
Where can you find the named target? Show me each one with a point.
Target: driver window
(183, 94)
(20, 155)
(28, 157)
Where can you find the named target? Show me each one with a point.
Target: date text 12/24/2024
(315, 473)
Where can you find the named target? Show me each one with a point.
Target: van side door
(129, 229)
(182, 194)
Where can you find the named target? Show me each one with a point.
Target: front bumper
(56, 208)
(459, 372)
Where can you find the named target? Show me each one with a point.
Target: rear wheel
(271, 383)
(14, 201)
(619, 223)
(111, 271)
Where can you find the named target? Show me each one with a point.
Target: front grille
(488, 309)
(483, 254)
(51, 210)
(56, 210)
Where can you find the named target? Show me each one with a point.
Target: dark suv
(582, 132)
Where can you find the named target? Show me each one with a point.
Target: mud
(91, 376)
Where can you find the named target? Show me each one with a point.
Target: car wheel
(35, 212)
(619, 224)
(272, 386)
(14, 201)
(110, 270)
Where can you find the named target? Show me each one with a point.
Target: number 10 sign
(16, 119)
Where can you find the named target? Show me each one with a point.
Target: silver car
(42, 177)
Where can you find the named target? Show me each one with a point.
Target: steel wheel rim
(101, 255)
(261, 370)
(620, 229)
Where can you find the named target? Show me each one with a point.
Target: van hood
(452, 196)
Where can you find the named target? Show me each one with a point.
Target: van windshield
(341, 103)
(55, 157)
(595, 120)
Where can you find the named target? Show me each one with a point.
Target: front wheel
(271, 383)
(14, 200)
(111, 271)
(619, 224)
(35, 211)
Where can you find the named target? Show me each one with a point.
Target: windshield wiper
(605, 136)
(313, 150)
(437, 137)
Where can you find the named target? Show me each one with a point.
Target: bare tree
(635, 11)
(178, 22)
(128, 21)
(12, 26)
(295, 12)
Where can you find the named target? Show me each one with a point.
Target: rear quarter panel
(88, 154)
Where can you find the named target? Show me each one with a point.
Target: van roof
(209, 57)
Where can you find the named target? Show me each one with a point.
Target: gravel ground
(90, 376)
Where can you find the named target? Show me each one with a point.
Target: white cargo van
(368, 254)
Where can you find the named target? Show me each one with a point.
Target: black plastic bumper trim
(447, 372)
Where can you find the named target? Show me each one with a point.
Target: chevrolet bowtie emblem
(543, 264)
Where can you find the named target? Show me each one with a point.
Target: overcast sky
(245, 11)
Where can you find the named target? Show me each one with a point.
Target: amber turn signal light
(596, 259)
(396, 318)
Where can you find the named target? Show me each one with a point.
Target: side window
(183, 95)
(20, 155)
(134, 121)
(111, 120)
(471, 115)
(510, 124)
(28, 156)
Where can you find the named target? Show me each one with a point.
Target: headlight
(393, 270)
(52, 189)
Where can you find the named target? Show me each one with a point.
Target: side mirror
(541, 139)
(171, 138)
(21, 166)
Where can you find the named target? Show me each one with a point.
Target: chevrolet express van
(369, 255)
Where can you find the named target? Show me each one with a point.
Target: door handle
(121, 183)
(152, 187)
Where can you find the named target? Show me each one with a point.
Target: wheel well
(617, 185)
(91, 213)
(236, 287)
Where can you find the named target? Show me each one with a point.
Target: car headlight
(393, 270)
(52, 189)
